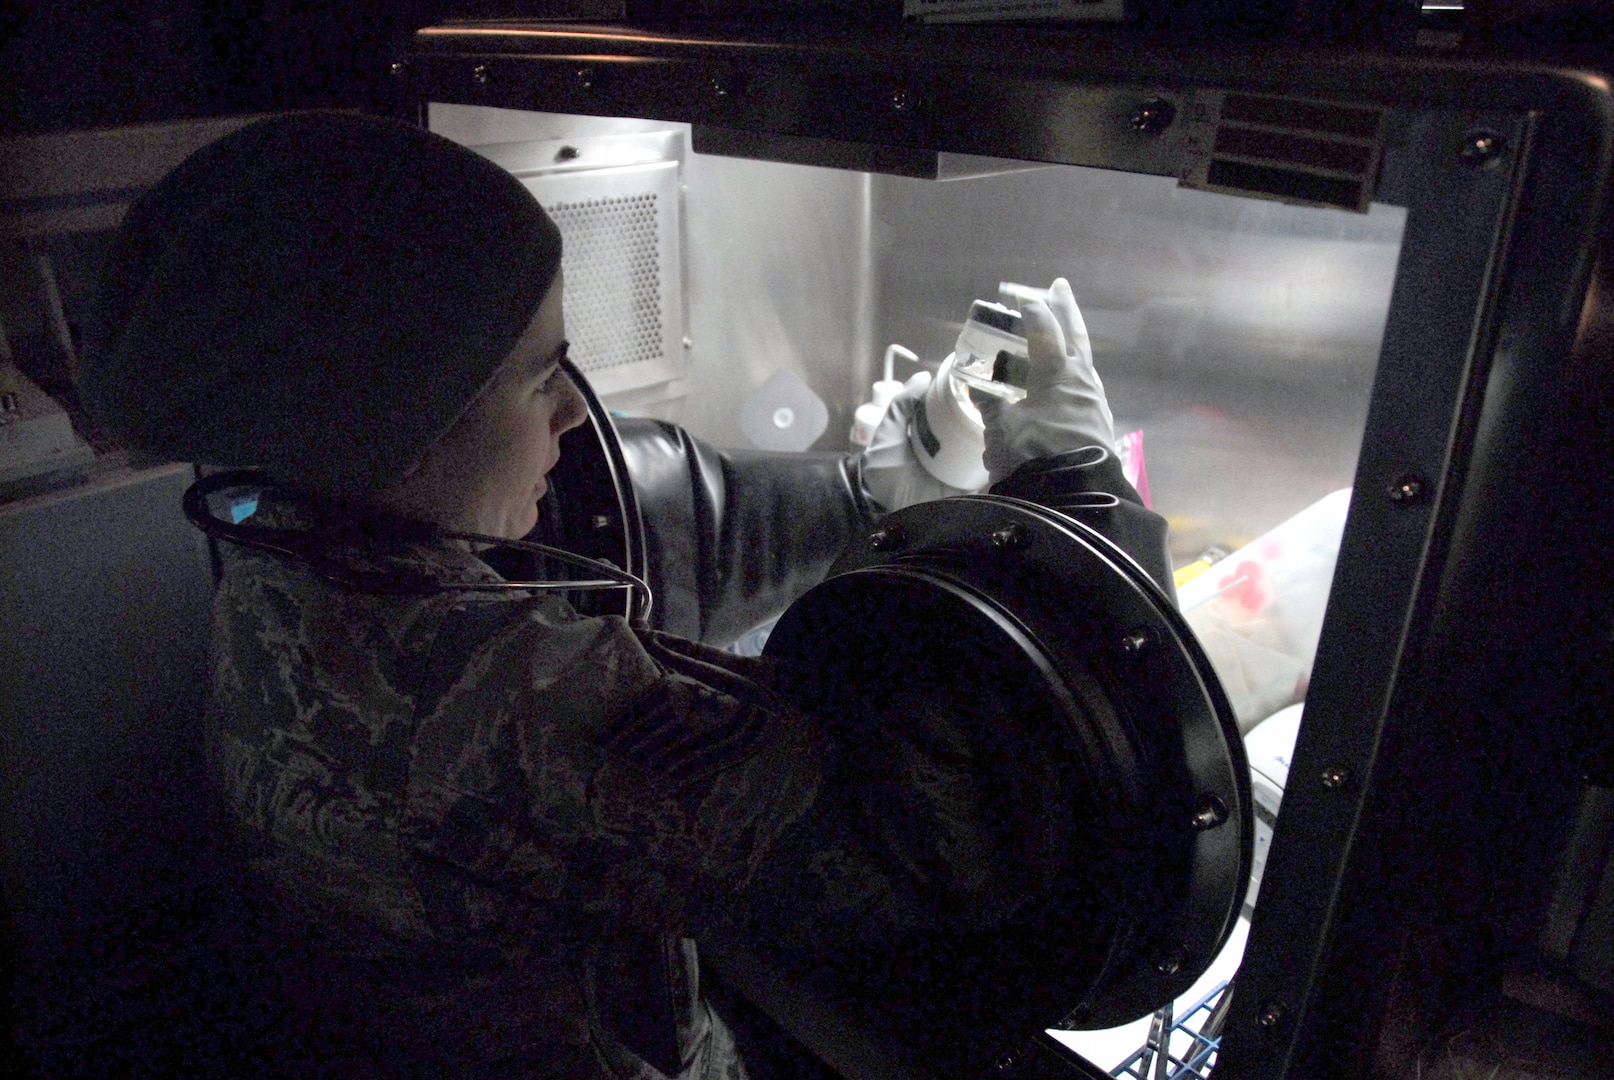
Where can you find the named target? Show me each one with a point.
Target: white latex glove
(1064, 407)
(891, 473)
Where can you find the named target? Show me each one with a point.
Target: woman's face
(488, 472)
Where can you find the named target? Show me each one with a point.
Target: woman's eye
(556, 370)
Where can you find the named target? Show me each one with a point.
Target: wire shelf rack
(1183, 1048)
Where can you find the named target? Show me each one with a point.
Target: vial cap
(996, 316)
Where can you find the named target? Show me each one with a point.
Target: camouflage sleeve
(614, 774)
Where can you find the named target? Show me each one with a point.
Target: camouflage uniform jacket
(493, 825)
(494, 816)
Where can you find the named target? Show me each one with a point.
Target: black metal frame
(1436, 774)
(1091, 666)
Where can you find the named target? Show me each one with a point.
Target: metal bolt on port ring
(1209, 813)
(886, 537)
(1008, 537)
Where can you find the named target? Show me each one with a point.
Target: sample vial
(987, 346)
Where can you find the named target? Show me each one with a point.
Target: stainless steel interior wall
(778, 278)
(1240, 336)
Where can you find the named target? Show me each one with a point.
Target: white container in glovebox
(947, 434)
(1259, 612)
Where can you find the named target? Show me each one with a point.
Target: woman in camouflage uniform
(491, 828)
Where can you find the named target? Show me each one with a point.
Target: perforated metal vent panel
(613, 279)
(622, 261)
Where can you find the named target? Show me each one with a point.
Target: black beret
(320, 294)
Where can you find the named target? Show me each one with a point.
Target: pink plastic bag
(1133, 467)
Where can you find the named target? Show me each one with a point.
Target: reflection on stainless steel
(780, 279)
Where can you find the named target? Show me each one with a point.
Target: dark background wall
(77, 64)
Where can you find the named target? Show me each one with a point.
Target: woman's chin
(522, 522)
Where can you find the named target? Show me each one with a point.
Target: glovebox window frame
(1494, 269)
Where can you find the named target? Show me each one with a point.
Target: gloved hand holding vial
(1064, 405)
(1020, 385)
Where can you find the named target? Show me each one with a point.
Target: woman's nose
(572, 409)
